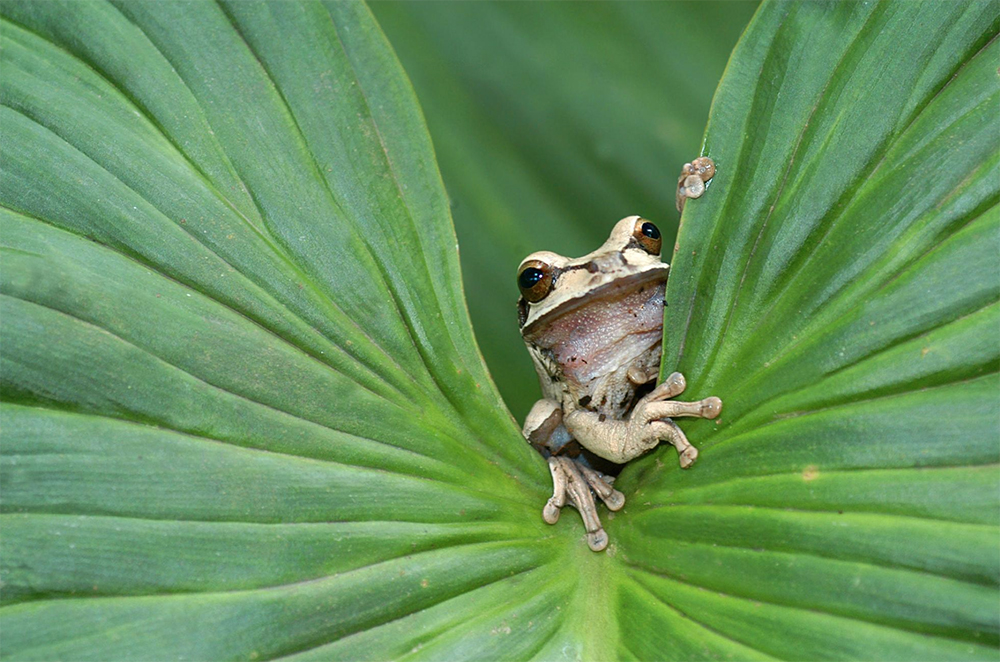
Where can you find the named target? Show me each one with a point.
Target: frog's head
(552, 285)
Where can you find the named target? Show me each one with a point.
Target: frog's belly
(599, 342)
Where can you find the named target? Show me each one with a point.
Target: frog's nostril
(593, 267)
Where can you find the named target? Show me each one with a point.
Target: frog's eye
(648, 236)
(535, 280)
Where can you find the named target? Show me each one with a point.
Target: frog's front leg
(647, 425)
(653, 414)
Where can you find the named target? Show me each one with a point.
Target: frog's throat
(614, 288)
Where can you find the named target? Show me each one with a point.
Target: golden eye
(648, 236)
(535, 280)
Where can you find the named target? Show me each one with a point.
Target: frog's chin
(618, 288)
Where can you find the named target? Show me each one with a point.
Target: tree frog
(593, 326)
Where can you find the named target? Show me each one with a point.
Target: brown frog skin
(594, 326)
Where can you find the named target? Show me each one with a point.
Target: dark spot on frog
(601, 418)
(604, 401)
(584, 401)
(621, 256)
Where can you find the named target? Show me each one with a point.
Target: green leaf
(837, 287)
(239, 379)
(244, 415)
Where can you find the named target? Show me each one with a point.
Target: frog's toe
(597, 540)
(550, 513)
(659, 409)
(711, 407)
(688, 456)
(668, 431)
(614, 501)
(676, 382)
(702, 166)
(670, 387)
(575, 484)
(560, 479)
(638, 376)
(693, 186)
(611, 497)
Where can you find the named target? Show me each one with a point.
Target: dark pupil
(650, 231)
(529, 277)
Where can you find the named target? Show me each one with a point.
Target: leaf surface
(245, 417)
(243, 411)
(837, 287)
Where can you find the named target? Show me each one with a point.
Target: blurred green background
(551, 121)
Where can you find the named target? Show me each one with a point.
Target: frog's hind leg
(572, 483)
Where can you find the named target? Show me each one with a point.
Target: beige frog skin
(593, 326)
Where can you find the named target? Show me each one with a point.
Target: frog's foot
(572, 483)
(656, 409)
(691, 183)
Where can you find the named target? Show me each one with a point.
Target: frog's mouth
(619, 288)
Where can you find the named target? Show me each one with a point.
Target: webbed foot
(576, 484)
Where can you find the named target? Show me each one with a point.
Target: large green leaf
(551, 121)
(244, 415)
(239, 380)
(838, 287)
